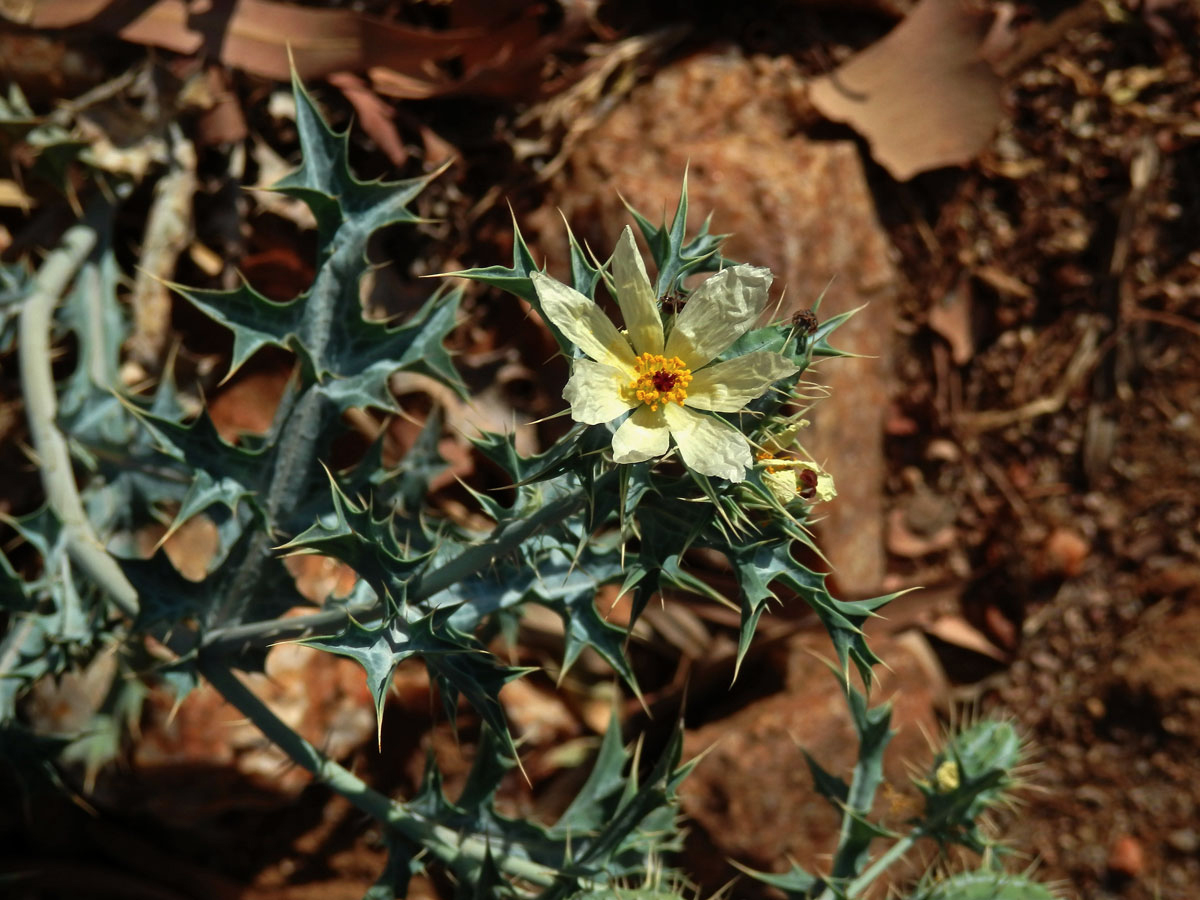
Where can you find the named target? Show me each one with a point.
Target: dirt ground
(1023, 442)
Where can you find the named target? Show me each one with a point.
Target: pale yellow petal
(583, 322)
(708, 445)
(783, 439)
(719, 312)
(728, 386)
(781, 483)
(636, 297)
(825, 488)
(594, 392)
(642, 436)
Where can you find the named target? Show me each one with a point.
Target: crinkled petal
(708, 445)
(583, 322)
(642, 436)
(719, 312)
(636, 297)
(594, 392)
(781, 483)
(782, 440)
(728, 386)
(826, 490)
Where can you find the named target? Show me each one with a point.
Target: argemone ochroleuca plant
(594, 509)
(663, 370)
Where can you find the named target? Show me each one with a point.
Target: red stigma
(808, 483)
(664, 382)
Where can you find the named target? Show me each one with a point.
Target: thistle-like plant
(696, 374)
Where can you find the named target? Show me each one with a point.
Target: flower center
(659, 380)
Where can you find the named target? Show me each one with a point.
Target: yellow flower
(663, 375)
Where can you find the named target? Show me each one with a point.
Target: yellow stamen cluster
(763, 455)
(659, 380)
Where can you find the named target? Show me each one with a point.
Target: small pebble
(1126, 856)
(1184, 840)
(1065, 552)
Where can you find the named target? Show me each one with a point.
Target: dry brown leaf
(255, 35)
(951, 318)
(922, 96)
(1004, 282)
(958, 631)
(502, 61)
(375, 116)
(223, 121)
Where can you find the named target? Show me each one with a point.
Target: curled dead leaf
(958, 631)
(923, 96)
(259, 36)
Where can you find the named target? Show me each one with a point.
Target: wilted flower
(788, 477)
(666, 375)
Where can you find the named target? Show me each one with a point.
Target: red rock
(751, 796)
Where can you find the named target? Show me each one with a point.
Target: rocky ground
(1019, 438)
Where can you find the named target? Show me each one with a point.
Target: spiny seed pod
(984, 885)
(620, 893)
(976, 770)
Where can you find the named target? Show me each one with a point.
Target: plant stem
(447, 844)
(41, 404)
(877, 868)
(471, 561)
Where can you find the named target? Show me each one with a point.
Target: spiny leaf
(402, 863)
(167, 598)
(352, 534)
(348, 356)
(243, 472)
(327, 186)
(66, 616)
(674, 255)
(255, 320)
(584, 627)
(502, 450)
(29, 650)
(514, 279)
(761, 565)
(829, 786)
(796, 883)
(458, 663)
(597, 800)
(362, 355)
(401, 489)
(89, 408)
